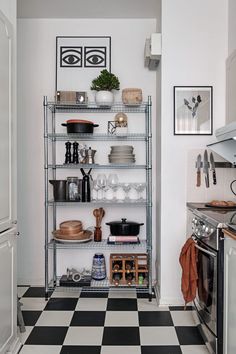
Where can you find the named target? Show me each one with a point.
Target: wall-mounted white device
(152, 51)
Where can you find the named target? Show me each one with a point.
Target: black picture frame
(193, 110)
(107, 61)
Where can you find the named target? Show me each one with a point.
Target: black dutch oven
(124, 228)
(75, 126)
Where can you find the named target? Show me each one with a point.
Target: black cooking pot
(75, 126)
(124, 228)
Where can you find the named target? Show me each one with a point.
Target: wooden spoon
(96, 213)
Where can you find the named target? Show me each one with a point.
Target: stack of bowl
(71, 230)
(122, 154)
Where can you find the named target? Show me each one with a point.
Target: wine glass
(113, 183)
(126, 188)
(102, 183)
(96, 188)
(139, 187)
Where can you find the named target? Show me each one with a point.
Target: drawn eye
(71, 57)
(95, 57)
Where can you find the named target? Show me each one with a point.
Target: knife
(206, 168)
(199, 162)
(213, 168)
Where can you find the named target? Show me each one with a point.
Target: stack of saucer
(122, 154)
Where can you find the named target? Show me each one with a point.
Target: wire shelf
(92, 107)
(98, 137)
(99, 286)
(99, 202)
(97, 245)
(97, 166)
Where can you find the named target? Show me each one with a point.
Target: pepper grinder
(68, 152)
(75, 152)
(86, 193)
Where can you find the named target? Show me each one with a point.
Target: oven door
(206, 297)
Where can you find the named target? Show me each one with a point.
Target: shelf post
(45, 110)
(149, 192)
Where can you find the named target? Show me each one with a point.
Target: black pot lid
(123, 222)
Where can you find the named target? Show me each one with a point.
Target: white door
(5, 123)
(230, 296)
(8, 291)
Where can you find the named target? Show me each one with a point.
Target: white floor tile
(182, 318)
(23, 336)
(146, 305)
(71, 293)
(92, 304)
(194, 349)
(121, 318)
(40, 349)
(55, 318)
(118, 350)
(33, 303)
(120, 294)
(21, 290)
(158, 336)
(84, 336)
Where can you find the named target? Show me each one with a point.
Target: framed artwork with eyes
(79, 60)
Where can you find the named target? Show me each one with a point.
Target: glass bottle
(129, 278)
(116, 278)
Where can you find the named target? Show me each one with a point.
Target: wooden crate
(140, 265)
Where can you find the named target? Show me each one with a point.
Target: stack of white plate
(122, 154)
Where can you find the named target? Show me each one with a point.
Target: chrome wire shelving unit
(51, 109)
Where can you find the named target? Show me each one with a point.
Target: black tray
(69, 282)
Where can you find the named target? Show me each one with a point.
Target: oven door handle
(204, 250)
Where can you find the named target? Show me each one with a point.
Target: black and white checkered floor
(71, 322)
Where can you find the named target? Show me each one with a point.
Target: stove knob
(212, 230)
(199, 233)
(207, 229)
(204, 227)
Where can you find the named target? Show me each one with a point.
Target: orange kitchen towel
(188, 261)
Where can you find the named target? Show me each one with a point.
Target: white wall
(194, 53)
(36, 77)
(232, 26)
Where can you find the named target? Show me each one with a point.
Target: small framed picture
(193, 110)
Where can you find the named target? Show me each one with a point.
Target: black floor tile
(144, 295)
(31, 317)
(61, 304)
(94, 294)
(189, 336)
(157, 318)
(121, 336)
(88, 318)
(180, 308)
(172, 349)
(47, 336)
(71, 349)
(36, 292)
(122, 305)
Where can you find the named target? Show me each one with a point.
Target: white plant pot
(104, 98)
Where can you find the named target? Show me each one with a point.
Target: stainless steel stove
(207, 225)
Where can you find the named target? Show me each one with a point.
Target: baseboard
(15, 347)
(31, 282)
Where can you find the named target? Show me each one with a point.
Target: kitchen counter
(192, 205)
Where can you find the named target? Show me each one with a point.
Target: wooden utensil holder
(140, 266)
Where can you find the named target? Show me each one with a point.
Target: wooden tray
(220, 207)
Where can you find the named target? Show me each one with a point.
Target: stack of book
(122, 240)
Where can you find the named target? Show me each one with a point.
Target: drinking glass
(126, 188)
(102, 183)
(113, 183)
(140, 187)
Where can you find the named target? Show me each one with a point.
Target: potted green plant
(103, 85)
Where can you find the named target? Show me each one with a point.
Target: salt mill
(75, 152)
(68, 152)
